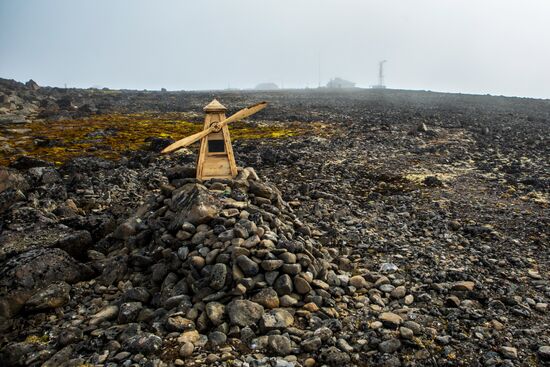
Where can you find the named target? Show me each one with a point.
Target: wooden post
(216, 159)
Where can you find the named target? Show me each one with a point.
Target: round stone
(186, 350)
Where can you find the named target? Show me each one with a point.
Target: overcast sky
(469, 46)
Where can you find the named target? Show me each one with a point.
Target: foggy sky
(468, 46)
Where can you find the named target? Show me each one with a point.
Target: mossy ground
(110, 135)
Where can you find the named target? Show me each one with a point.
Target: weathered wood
(212, 107)
(216, 158)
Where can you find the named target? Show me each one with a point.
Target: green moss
(108, 136)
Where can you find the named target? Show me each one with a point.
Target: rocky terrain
(371, 227)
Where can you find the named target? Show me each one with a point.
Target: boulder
(24, 274)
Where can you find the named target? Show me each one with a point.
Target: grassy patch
(109, 136)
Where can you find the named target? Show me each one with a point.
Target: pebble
(358, 282)
(544, 352)
(464, 286)
(390, 319)
(267, 297)
(279, 344)
(301, 285)
(311, 344)
(509, 352)
(186, 350)
(190, 337)
(389, 346)
(406, 333)
(398, 292)
(276, 319)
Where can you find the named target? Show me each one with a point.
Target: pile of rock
(225, 263)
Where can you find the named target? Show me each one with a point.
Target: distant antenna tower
(381, 74)
(319, 70)
(380, 84)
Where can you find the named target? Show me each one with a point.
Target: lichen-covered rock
(23, 274)
(11, 179)
(146, 343)
(53, 296)
(194, 204)
(244, 312)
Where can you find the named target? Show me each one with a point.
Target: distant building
(267, 86)
(339, 83)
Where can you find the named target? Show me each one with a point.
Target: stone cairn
(226, 265)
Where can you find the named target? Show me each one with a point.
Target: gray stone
(301, 285)
(53, 296)
(186, 350)
(389, 346)
(144, 344)
(218, 276)
(140, 294)
(509, 352)
(24, 274)
(177, 322)
(270, 265)
(311, 344)
(544, 352)
(76, 244)
(276, 319)
(129, 312)
(215, 312)
(251, 241)
(463, 286)
(247, 265)
(106, 313)
(217, 338)
(358, 282)
(283, 285)
(335, 357)
(398, 292)
(267, 297)
(390, 319)
(406, 333)
(244, 312)
(279, 344)
(291, 269)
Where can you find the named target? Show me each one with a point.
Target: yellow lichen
(108, 136)
(35, 339)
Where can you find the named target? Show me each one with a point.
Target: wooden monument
(215, 159)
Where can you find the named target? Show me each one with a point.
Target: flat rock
(463, 286)
(276, 319)
(53, 296)
(390, 319)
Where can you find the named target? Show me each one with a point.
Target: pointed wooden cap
(214, 106)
